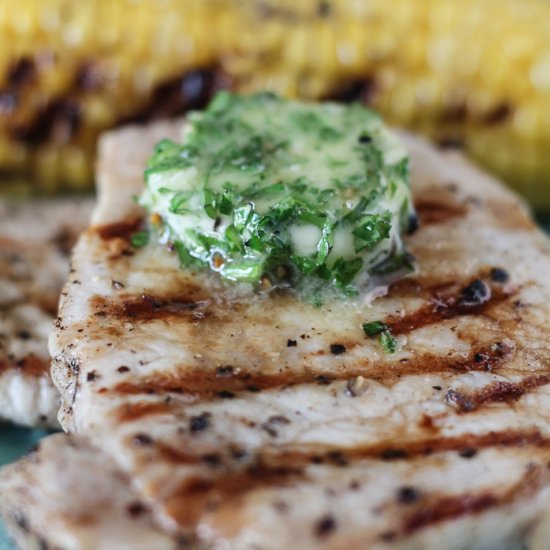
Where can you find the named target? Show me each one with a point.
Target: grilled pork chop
(260, 421)
(35, 240)
(67, 495)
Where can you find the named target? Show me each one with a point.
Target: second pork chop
(36, 237)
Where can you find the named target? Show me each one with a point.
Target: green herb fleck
(388, 342)
(374, 328)
(169, 156)
(370, 230)
(139, 239)
(380, 329)
(177, 202)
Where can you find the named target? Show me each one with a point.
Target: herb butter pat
(280, 193)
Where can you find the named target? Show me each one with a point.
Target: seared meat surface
(260, 421)
(35, 241)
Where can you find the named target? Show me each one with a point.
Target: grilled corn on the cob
(475, 72)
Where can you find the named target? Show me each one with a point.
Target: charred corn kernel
(472, 72)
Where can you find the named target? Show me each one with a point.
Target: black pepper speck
(408, 495)
(135, 509)
(211, 459)
(142, 439)
(459, 400)
(474, 294)
(226, 370)
(337, 349)
(22, 522)
(325, 526)
(393, 454)
(200, 422)
(414, 223)
(499, 275)
(337, 459)
(468, 452)
(278, 419)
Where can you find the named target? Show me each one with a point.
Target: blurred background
(469, 74)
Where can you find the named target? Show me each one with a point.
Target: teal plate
(15, 442)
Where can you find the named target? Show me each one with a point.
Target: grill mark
(206, 494)
(190, 297)
(192, 301)
(449, 508)
(30, 365)
(497, 392)
(444, 508)
(135, 411)
(429, 288)
(119, 230)
(190, 305)
(410, 449)
(284, 469)
(149, 307)
(302, 456)
(444, 308)
(433, 212)
(205, 384)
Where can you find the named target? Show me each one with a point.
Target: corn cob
(474, 73)
(73, 68)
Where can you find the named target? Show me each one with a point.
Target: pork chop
(260, 421)
(66, 494)
(35, 240)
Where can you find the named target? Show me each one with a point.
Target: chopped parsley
(278, 193)
(380, 329)
(139, 239)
